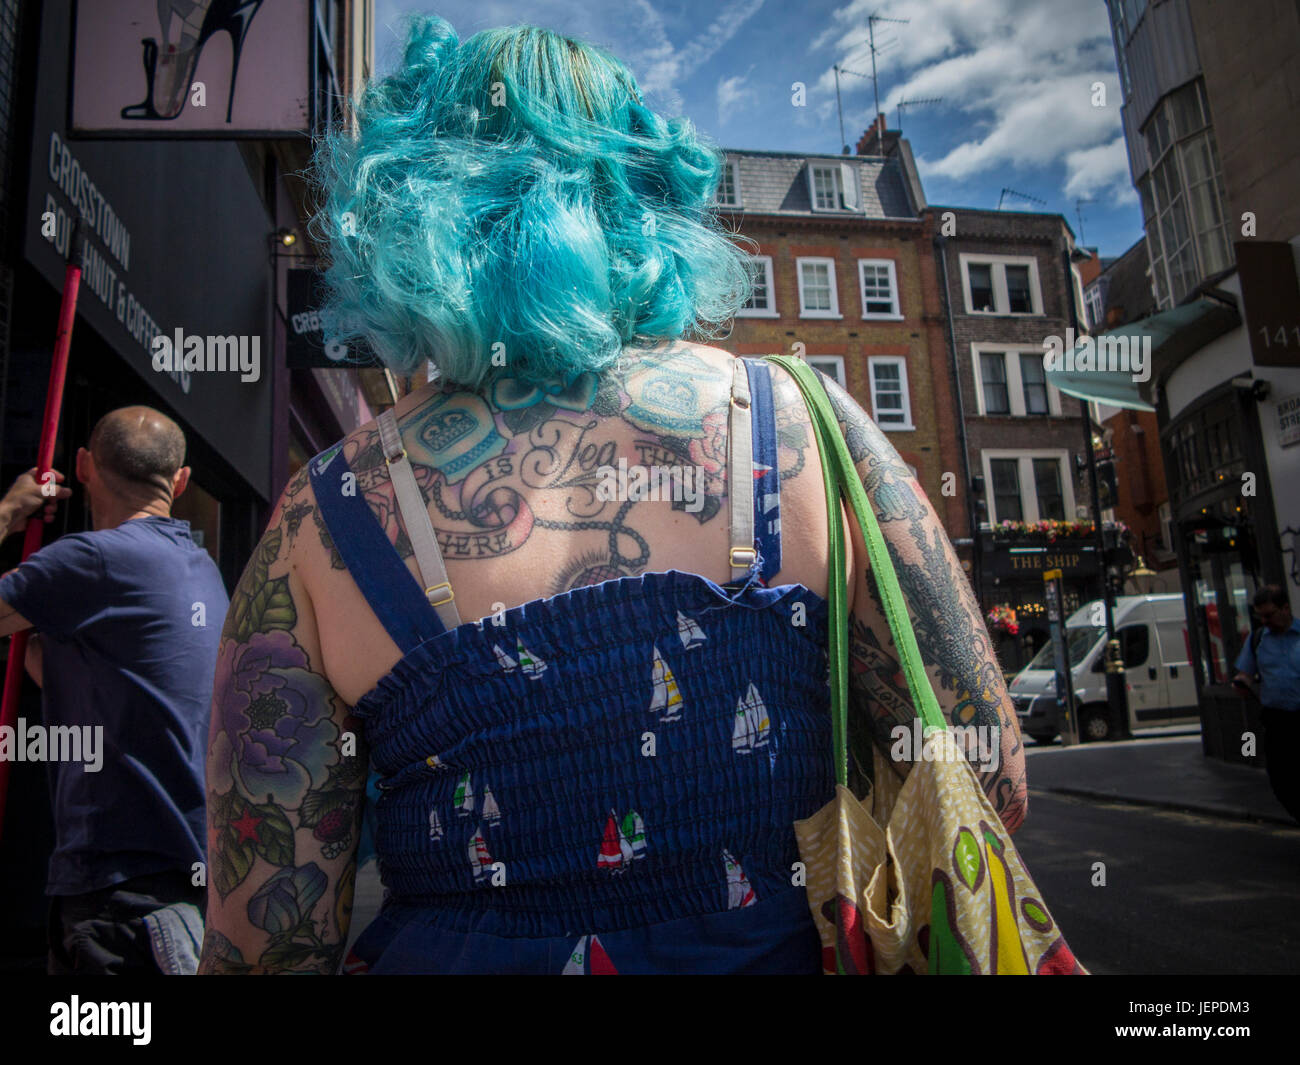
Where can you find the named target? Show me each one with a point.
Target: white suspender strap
(414, 516)
(740, 474)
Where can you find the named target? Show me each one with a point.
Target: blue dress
(603, 781)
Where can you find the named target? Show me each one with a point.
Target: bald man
(129, 618)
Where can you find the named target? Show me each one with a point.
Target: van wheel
(1094, 725)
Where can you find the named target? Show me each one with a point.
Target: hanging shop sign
(306, 346)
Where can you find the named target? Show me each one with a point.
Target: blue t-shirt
(118, 614)
(1278, 666)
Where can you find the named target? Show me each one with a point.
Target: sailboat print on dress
(634, 832)
(739, 893)
(464, 797)
(435, 826)
(621, 845)
(690, 632)
(589, 959)
(491, 812)
(532, 666)
(666, 700)
(752, 723)
(479, 859)
(507, 664)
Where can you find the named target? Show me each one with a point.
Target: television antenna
(1021, 195)
(914, 103)
(875, 83)
(1078, 213)
(844, 147)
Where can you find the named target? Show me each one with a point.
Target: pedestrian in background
(1273, 654)
(128, 617)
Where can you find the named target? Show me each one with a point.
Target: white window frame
(1095, 306)
(730, 166)
(1081, 314)
(835, 364)
(1001, 300)
(845, 178)
(1028, 492)
(834, 312)
(901, 363)
(1015, 381)
(770, 311)
(893, 315)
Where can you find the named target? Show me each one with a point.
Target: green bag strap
(840, 478)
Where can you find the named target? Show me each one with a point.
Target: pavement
(1165, 771)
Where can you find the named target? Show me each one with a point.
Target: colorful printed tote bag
(920, 876)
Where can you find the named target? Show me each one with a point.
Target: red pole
(44, 461)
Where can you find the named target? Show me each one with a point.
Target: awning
(1120, 367)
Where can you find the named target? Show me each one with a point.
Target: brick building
(1011, 283)
(1121, 294)
(846, 276)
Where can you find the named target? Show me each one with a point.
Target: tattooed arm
(285, 776)
(950, 631)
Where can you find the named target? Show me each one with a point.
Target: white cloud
(733, 92)
(1019, 74)
(1102, 170)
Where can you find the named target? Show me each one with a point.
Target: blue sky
(1017, 80)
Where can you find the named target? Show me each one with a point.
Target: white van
(1152, 630)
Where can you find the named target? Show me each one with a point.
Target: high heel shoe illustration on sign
(169, 70)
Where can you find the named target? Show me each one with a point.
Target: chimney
(875, 139)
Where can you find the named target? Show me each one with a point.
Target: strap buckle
(434, 587)
(748, 555)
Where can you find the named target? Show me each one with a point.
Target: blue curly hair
(512, 200)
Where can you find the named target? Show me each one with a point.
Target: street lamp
(1116, 686)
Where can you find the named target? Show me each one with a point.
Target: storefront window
(203, 511)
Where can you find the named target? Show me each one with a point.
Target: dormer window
(834, 187)
(728, 192)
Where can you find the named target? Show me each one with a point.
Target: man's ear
(180, 481)
(84, 465)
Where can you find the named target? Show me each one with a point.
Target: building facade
(1209, 91)
(845, 277)
(1011, 283)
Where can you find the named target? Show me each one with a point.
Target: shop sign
(1073, 560)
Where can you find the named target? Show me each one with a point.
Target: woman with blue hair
(547, 600)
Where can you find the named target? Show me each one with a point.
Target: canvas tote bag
(919, 876)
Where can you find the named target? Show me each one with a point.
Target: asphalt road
(1183, 894)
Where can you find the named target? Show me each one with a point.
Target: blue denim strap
(388, 586)
(767, 478)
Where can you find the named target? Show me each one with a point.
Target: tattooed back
(534, 491)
